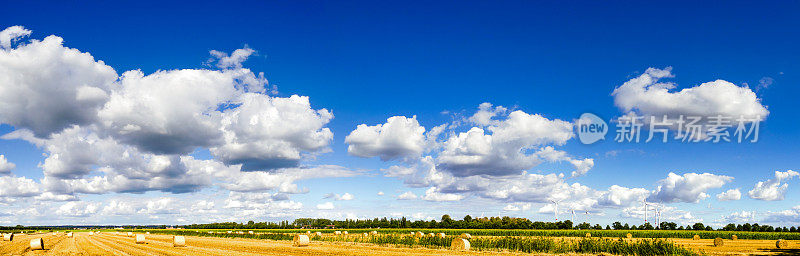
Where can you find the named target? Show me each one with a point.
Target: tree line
(476, 223)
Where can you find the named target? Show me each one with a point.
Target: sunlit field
(396, 242)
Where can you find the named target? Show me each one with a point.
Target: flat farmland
(113, 243)
(117, 244)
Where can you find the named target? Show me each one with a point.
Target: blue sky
(366, 62)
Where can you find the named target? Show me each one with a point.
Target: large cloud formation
(103, 132)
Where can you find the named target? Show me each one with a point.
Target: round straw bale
(734, 237)
(345, 232)
(147, 233)
(629, 235)
(718, 241)
(696, 237)
(251, 232)
(8, 237)
(37, 244)
(365, 234)
(178, 241)
(91, 233)
(319, 233)
(374, 232)
(413, 233)
(130, 234)
(308, 232)
(782, 244)
(139, 238)
(300, 240)
(69, 234)
(441, 235)
(420, 234)
(588, 234)
(460, 244)
(431, 235)
(337, 232)
(466, 236)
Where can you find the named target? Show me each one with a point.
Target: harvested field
(119, 244)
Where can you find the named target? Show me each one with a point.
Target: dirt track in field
(110, 243)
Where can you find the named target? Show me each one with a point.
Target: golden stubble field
(110, 243)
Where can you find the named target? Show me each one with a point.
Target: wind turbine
(573, 215)
(658, 215)
(645, 210)
(587, 217)
(555, 211)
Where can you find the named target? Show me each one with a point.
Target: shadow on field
(782, 251)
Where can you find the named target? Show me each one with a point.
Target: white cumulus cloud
(772, 189)
(5, 165)
(399, 138)
(687, 188)
(648, 96)
(730, 195)
(407, 196)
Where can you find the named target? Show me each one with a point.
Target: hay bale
(374, 232)
(8, 237)
(629, 235)
(460, 244)
(588, 234)
(69, 234)
(365, 234)
(37, 244)
(696, 237)
(139, 238)
(230, 231)
(319, 233)
(782, 244)
(147, 233)
(420, 234)
(308, 232)
(734, 237)
(431, 235)
(718, 241)
(130, 234)
(413, 233)
(345, 232)
(337, 232)
(251, 232)
(466, 236)
(441, 235)
(178, 241)
(300, 240)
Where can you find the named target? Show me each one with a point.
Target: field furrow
(120, 244)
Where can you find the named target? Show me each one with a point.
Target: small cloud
(764, 83)
(730, 195)
(407, 196)
(380, 193)
(337, 197)
(325, 206)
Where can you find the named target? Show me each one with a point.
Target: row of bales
(177, 241)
